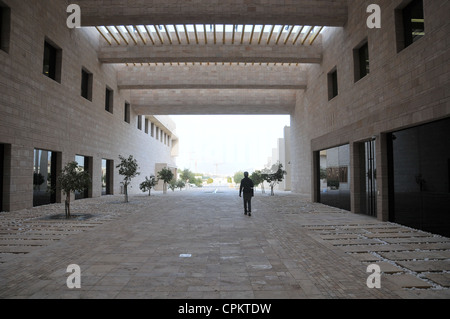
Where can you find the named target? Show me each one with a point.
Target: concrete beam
(213, 101)
(212, 77)
(302, 12)
(211, 53)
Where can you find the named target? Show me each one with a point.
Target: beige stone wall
(37, 112)
(403, 89)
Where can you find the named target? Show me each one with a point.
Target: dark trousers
(247, 202)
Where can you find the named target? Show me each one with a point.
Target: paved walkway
(198, 244)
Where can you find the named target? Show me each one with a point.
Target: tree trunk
(165, 188)
(125, 190)
(67, 206)
(149, 192)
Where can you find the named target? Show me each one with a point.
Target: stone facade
(403, 89)
(37, 112)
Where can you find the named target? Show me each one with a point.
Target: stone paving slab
(199, 244)
(366, 257)
(442, 279)
(409, 281)
(421, 240)
(416, 255)
(423, 266)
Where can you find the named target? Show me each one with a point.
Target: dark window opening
(410, 24)
(139, 122)
(52, 62)
(127, 115)
(332, 84)
(361, 59)
(86, 84)
(146, 125)
(414, 22)
(152, 130)
(109, 100)
(5, 27)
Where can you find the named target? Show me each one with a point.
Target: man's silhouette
(247, 189)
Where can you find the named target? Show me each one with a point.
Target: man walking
(247, 189)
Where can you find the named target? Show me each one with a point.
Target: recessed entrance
(369, 179)
(420, 186)
(45, 174)
(85, 163)
(107, 177)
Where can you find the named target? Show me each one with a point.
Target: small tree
(275, 176)
(257, 179)
(238, 176)
(128, 168)
(148, 184)
(73, 179)
(166, 176)
(180, 184)
(172, 185)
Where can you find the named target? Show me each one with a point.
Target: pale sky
(225, 144)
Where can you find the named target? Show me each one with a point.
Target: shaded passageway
(198, 244)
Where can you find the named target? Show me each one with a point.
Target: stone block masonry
(37, 112)
(403, 89)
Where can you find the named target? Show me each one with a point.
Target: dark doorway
(44, 177)
(85, 163)
(419, 177)
(107, 177)
(369, 186)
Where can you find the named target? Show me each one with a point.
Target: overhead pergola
(212, 33)
(192, 57)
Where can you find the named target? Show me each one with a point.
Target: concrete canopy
(305, 12)
(216, 75)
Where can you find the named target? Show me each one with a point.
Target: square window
(109, 100)
(127, 112)
(86, 84)
(52, 61)
(410, 24)
(361, 61)
(332, 84)
(5, 27)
